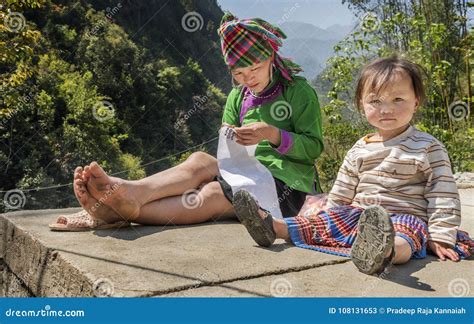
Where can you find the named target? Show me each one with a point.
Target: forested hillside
(120, 82)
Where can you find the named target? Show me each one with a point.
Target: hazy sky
(321, 13)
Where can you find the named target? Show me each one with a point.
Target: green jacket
(294, 109)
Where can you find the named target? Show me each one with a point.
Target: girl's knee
(202, 164)
(201, 157)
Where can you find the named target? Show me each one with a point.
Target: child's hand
(443, 251)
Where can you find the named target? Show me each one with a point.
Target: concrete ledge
(139, 261)
(421, 278)
(12, 286)
(211, 259)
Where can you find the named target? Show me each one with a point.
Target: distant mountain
(310, 53)
(295, 29)
(311, 46)
(340, 30)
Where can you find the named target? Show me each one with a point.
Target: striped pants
(334, 230)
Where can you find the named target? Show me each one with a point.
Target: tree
(76, 87)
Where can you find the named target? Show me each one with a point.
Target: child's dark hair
(376, 74)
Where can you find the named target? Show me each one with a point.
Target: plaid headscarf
(247, 41)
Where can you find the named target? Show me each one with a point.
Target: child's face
(391, 110)
(255, 77)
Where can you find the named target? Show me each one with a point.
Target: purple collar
(250, 101)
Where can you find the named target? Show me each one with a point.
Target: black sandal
(246, 208)
(375, 238)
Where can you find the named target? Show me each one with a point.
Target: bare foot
(118, 194)
(91, 205)
(279, 225)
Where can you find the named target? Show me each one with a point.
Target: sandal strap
(82, 219)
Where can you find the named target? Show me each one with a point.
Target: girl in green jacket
(269, 106)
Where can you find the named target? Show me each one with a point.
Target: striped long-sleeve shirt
(409, 174)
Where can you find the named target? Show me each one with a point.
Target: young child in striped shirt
(394, 195)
